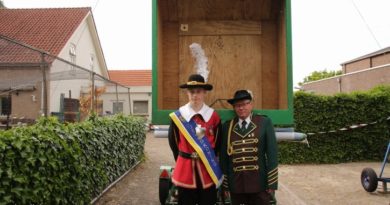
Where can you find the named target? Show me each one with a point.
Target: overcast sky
(325, 32)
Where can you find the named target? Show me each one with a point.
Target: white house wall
(85, 48)
(137, 93)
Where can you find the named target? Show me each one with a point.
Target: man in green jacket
(249, 154)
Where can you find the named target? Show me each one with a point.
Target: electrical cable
(365, 22)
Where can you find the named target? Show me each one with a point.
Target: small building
(138, 93)
(26, 35)
(359, 74)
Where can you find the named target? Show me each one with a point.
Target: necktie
(243, 125)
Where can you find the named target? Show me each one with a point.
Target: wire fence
(34, 83)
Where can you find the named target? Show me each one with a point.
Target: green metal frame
(279, 117)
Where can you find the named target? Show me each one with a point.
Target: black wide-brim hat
(196, 81)
(240, 95)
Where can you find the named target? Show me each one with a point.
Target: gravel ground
(298, 184)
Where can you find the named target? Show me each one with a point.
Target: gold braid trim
(229, 146)
(245, 159)
(270, 172)
(195, 83)
(245, 150)
(247, 141)
(273, 179)
(273, 174)
(245, 168)
(272, 182)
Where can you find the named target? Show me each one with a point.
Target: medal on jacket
(200, 131)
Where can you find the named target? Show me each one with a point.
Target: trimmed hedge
(314, 113)
(53, 163)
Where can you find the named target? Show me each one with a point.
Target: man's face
(243, 108)
(196, 95)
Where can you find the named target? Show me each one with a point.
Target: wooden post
(9, 107)
(44, 84)
(117, 97)
(93, 92)
(128, 90)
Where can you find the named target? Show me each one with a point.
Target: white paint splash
(201, 63)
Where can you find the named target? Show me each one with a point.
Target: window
(72, 56)
(92, 61)
(117, 107)
(140, 107)
(5, 106)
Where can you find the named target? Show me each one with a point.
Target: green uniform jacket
(249, 158)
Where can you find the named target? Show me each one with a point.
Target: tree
(318, 75)
(86, 102)
(2, 6)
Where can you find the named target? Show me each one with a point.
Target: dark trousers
(199, 195)
(260, 198)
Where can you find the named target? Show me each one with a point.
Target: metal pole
(9, 110)
(128, 90)
(93, 92)
(117, 97)
(385, 160)
(43, 68)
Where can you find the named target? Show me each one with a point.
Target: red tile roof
(131, 77)
(46, 29)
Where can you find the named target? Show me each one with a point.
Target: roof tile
(131, 77)
(46, 29)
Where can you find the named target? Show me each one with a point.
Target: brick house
(138, 93)
(362, 73)
(68, 33)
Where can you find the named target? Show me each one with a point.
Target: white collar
(248, 120)
(187, 112)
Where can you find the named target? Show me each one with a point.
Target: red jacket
(184, 172)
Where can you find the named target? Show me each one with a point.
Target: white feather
(201, 61)
(250, 93)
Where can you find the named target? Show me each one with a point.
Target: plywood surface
(206, 28)
(170, 66)
(269, 80)
(234, 63)
(224, 9)
(243, 39)
(283, 83)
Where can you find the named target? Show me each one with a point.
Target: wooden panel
(167, 10)
(160, 64)
(234, 63)
(270, 9)
(170, 66)
(225, 9)
(205, 28)
(270, 65)
(283, 93)
(244, 52)
(172, 10)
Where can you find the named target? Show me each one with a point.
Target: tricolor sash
(201, 146)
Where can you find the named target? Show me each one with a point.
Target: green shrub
(314, 113)
(52, 163)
